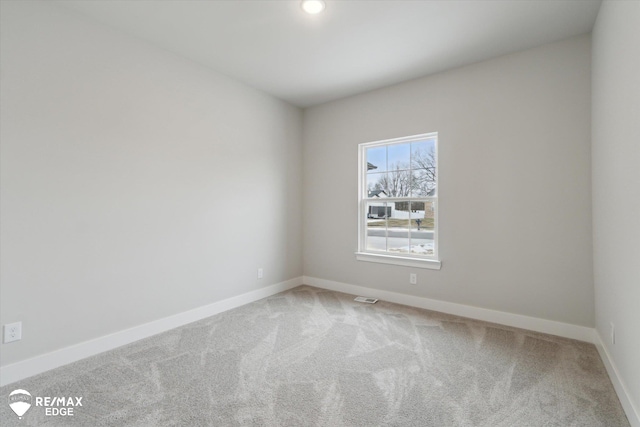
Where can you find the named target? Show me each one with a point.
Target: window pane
(398, 183)
(376, 184)
(398, 228)
(423, 154)
(422, 228)
(401, 227)
(376, 238)
(423, 163)
(423, 183)
(376, 159)
(399, 157)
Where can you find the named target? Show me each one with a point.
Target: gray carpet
(310, 357)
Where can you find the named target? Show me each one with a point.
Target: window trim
(417, 261)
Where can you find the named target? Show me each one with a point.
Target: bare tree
(399, 181)
(424, 170)
(396, 182)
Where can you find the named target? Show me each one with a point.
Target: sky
(386, 157)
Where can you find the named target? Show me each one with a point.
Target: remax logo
(20, 402)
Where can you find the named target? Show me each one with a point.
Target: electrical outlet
(12, 332)
(613, 333)
(260, 273)
(413, 278)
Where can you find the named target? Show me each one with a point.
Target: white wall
(616, 185)
(515, 190)
(135, 184)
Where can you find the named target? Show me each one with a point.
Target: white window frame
(408, 260)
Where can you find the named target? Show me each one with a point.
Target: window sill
(432, 264)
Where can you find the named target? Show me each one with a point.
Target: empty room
(320, 213)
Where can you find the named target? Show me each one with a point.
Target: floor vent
(367, 300)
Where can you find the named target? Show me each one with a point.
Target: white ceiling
(352, 47)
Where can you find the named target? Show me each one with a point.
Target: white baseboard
(632, 412)
(552, 327)
(36, 365)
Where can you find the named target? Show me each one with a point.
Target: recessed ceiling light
(313, 6)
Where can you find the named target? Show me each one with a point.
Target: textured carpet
(310, 357)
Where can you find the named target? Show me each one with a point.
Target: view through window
(398, 196)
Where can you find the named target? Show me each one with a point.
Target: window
(398, 210)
